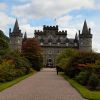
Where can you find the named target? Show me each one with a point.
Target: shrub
(93, 81)
(82, 78)
(63, 59)
(19, 61)
(7, 71)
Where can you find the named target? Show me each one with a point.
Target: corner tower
(15, 37)
(85, 39)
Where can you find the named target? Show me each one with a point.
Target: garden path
(44, 85)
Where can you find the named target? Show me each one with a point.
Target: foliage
(87, 94)
(13, 65)
(3, 47)
(32, 51)
(64, 57)
(93, 81)
(80, 65)
(3, 36)
(82, 78)
(7, 71)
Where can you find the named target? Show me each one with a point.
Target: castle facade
(53, 41)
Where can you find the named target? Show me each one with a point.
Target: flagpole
(55, 21)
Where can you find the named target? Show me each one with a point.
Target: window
(41, 43)
(58, 43)
(50, 43)
(18, 41)
(81, 43)
(66, 44)
(75, 44)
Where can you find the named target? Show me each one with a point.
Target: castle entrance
(49, 63)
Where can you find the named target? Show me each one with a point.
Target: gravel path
(44, 85)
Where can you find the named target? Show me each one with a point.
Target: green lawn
(90, 95)
(8, 84)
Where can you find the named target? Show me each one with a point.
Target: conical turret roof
(25, 35)
(16, 26)
(85, 28)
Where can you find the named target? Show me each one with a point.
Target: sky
(68, 14)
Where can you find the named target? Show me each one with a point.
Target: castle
(53, 41)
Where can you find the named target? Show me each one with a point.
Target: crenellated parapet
(62, 32)
(38, 32)
(50, 27)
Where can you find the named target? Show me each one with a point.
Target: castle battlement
(50, 27)
(38, 32)
(62, 32)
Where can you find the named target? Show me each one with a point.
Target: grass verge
(87, 94)
(10, 83)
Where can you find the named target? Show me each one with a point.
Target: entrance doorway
(49, 63)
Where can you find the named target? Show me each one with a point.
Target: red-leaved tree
(33, 52)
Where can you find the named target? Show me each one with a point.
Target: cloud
(52, 8)
(27, 10)
(63, 21)
(29, 29)
(3, 6)
(5, 20)
(96, 46)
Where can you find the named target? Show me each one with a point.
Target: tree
(3, 46)
(32, 51)
(3, 36)
(64, 57)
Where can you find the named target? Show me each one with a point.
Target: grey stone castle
(53, 41)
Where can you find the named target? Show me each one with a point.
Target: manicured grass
(90, 95)
(9, 84)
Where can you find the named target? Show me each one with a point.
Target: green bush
(63, 59)
(7, 72)
(93, 81)
(13, 65)
(70, 72)
(18, 60)
(82, 78)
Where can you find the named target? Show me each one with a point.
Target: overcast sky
(69, 14)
